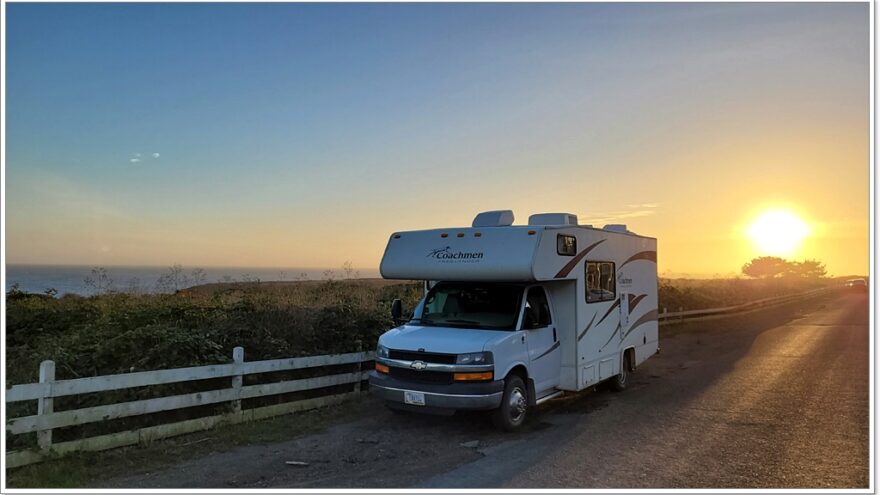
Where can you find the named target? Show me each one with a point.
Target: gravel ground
(772, 399)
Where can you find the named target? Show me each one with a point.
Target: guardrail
(679, 316)
(48, 389)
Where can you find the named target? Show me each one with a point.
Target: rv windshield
(472, 305)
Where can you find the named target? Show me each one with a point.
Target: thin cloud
(616, 217)
(139, 157)
(634, 211)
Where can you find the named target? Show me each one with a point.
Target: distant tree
(811, 269)
(349, 271)
(172, 281)
(99, 281)
(134, 286)
(766, 267)
(15, 292)
(198, 277)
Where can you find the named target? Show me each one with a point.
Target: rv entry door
(545, 355)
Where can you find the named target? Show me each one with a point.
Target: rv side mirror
(396, 309)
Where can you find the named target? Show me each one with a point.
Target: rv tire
(619, 382)
(514, 405)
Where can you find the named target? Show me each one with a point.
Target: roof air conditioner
(553, 219)
(616, 227)
(497, 218)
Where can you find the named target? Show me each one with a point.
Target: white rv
(516, 314)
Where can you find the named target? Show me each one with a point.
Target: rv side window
(537, 311)
(566, 245)
(599, 281)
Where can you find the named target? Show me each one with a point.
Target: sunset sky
(303, 135)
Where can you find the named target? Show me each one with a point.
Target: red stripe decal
(574, 261)
(588, 327)
(645, 318)
(616, 304)
(644, 255)
(634, 301)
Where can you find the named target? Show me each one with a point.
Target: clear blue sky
(302, 135)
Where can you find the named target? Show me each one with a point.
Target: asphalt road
(765, 405)
(771, 399)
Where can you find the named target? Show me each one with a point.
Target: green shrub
(115, 333)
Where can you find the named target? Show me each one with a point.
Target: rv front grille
(420, 376)
(428, 357)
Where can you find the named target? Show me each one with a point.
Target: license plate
(414, 398)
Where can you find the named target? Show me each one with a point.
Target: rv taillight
(531, 232)
(473, 377)
(397, 236)
(444, 235)
(477, 234)
(381, 368)
(460, 234)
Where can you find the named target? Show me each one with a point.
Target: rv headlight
(381, 351)
(475, 358)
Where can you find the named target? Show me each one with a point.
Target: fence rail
(678, 316)
(48, 389)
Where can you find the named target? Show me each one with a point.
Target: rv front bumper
(475, 396)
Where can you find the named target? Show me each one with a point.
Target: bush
(115, 333)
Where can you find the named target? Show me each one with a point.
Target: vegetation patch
(119, 332)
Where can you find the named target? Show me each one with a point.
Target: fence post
(238, 359)
(360, 365)
(45, 405)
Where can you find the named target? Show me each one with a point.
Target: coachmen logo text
(447, 255)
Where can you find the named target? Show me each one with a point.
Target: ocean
(74, 279)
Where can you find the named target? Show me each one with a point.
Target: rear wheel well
(630, 353)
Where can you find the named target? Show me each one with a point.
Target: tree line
(775, 267)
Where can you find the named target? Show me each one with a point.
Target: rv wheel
(619, 382)
(514, 404)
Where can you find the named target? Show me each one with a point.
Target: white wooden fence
(48, 389)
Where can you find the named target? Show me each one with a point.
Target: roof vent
(497, 218)
(616, 227)
(553, 219)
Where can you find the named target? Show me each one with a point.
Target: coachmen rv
(514, 315)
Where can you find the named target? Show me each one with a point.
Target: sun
(778, 232)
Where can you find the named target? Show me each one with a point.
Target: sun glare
(778, 232)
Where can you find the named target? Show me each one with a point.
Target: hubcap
(517, 405)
